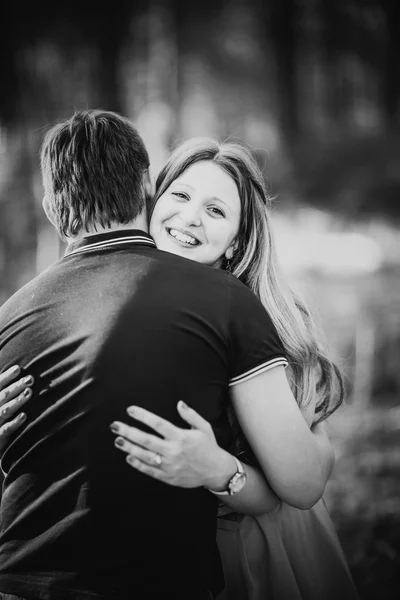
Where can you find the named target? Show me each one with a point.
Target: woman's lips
(183, 237)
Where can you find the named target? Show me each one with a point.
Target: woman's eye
(217, 211)
(181, 195)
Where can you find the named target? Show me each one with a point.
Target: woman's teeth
(182, 237)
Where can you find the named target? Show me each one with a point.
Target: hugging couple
(174, 389)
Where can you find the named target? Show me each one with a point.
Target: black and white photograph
(200, 300)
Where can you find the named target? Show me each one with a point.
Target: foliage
(364, 495)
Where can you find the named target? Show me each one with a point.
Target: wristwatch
(236, 482)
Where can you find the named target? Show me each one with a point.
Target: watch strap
(232, 481)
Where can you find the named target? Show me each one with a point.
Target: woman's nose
(191, 215)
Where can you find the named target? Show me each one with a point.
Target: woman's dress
(288, 554)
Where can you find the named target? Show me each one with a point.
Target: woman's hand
(13, 396)
(181, 457)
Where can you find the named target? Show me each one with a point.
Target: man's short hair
(92, 168)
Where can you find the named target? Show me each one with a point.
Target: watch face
(237, 483)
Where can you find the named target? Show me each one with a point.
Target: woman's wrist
(224, 468)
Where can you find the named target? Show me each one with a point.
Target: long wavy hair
(312, 373)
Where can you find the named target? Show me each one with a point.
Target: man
(114, 322)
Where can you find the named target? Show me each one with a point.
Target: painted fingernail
(114, 427)
(131, 411)
(26, 393)
(120, 442)
(15, 369)
(21, 417)
(28, 380)
(181, 404)
(131, 460)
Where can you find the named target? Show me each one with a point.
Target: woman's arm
(190, 458)
(325, 447)
(295, 460)
(255, 498)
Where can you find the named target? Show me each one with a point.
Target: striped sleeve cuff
(280, 361)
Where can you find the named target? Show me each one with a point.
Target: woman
(189, 218)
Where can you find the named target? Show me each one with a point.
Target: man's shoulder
(206, 280)
(27, 291)
(203, 272)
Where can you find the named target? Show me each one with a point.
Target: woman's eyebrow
(212, 198)
(216, 198)
(177, 182)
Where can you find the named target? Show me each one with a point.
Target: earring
(228, 265)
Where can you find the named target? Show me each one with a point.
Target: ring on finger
(157, 459)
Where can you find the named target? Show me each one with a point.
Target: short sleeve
(255, 345)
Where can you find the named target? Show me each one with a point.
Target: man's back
(101, 330)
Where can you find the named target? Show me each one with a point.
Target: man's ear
(48, 210)
(148, 184)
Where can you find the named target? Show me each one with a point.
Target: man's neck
(138, 223)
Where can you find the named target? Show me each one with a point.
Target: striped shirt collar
(113, 239)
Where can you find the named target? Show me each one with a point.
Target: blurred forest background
(314, 86)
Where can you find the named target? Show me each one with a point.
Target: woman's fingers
(9, 375)
(10, 390)
(192, 417)
(10, 408)
(153, 459)
(9, 428)
(160, 425)
(146, 461)
(154, 472)
(13, 395)
(5, 380)
(136, 436)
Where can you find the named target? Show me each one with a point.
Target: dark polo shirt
(116, 322)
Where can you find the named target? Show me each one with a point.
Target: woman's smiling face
(198, 216)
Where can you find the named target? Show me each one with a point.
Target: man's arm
(257, 496)
(296, 461)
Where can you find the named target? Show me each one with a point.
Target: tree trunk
(391, 76)
(281, 29)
